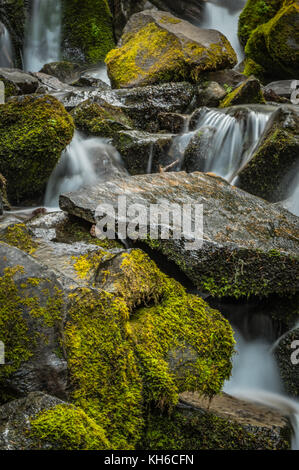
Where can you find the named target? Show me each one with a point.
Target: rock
(87, 79)
(275, 157)
(17, 82)
(157, 47)
(248, 92)
(31, 326)
(258, 241)
(65, 71)
(33, 133)
(143, 152)
(43, 422)
(225, 423)
(196, 151)
(4, 204)
(211, 94)
(122, 11)
(50, 84)
(173, 123)
(286, 354)
(87, 33)
(225, 78)
(273, 45)
(188, 9)
(281, 88)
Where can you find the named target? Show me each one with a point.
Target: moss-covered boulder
(157, 47)
(249, 92)
(273, 45)
(287, 357)
(270, 168)
(33, 133)
(65, 71)
(87, 30)
(43, 422)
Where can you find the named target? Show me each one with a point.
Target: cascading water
(6, 48)
(256, 378)
(227, 138)
(292, 201)
(223, 15)
(85, 161)
(42, 44)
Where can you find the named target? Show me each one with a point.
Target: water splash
(84, 162)
(6, 48)
(42, 44)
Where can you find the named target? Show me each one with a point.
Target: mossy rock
(255, 13)
(274, 45)
(87, 30)
(275, 158)
(3, 193)
(249, 92)
(33, 133)
(101, 120)
(64, 70)
(19, 236)
(286, 354)
(157, 47)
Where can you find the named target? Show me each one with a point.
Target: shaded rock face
(122, 11)
(224, 423)
(248, 92)
(64, 71)
(287, 357)
(17, 82)
(255, 253)
(281, 88)
(266, 174)
(157, 47)
(31, 295)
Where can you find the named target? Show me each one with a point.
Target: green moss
(194, 430)
(18, 235)
(255, 13)
(248, 92)
(3, 192)
(33, 133)
(252, 68)
(87, 26)
(65, 427)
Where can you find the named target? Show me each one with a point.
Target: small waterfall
(292, 201)
(84, 162)
(223, 15)
(42, 44)
(6, 48)
(227, 138)
(255, 377)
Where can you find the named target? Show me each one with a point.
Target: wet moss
(17, 235)
(87, 27)
(66, 427)
(247, 93)
(33, 133)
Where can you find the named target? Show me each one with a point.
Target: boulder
(157, 47)
(287, 357)
(17, 82)
(43, 422)
(250, 247)
(87, 32)
(210, 94)
(273, 45)
(31, 317)
(225, 423)
(228, 78)
(65, 71)
(143, 152)
(33, 133)
(249, 92)
(174, 123)
(268, 172)
(122, 10)
(282, 88)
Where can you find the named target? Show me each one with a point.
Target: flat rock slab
(250, 247)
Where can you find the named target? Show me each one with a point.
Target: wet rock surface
(287, 356)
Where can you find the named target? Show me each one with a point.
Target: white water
(6, 48)
(84, 162)
(42, 44)
(227, 138)
(292, 201)
(256, 378)
(223, 15)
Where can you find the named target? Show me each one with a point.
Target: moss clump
(66, 427)
(273, 45)
(101, 120)
(18, 235)
(18, 306)
(3, 192)
(255, 13)
(87, 27)
(154, 55)
(194, 430)
(247, 93)
(33, 133)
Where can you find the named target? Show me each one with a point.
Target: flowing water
(255, 377)
(84, 162)
(292, 201)
(227, 138)
(223, 15)
(6, 48)
(42, 44)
